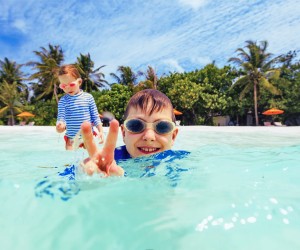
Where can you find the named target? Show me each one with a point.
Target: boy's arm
(61, 116)
(100, 134)
(96, 119)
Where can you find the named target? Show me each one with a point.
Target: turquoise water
(234, 191)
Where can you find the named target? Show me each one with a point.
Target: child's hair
(69, 70)
(141, 99)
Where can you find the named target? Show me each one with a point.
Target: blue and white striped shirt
(74, 110)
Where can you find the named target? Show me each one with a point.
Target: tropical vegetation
(92, 80)
(258, 82)
(256, 71)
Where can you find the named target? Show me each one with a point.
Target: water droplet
(236, 214)
(228, 225)
(209, 217)
(286, 221)
(290, 209)
(246, 204)
(251, 219)
(233, 205)
(233, 219)
(269, 217)
(283, 211)
(273, 200)
(16, 185)
(220, 220)
(243, 221)
(266, 207)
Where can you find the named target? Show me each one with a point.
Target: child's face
(66, 81)
(143, 143)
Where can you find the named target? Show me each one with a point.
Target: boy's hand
(60, 127)
(101, 137)
(101, 160)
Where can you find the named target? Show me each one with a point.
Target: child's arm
(61, 120)
(100, 134)
(96, 119)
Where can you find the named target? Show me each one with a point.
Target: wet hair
(69, 70)
(141, 99)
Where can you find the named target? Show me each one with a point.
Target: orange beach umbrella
(176, 112)
(25, 114)
(273, 111)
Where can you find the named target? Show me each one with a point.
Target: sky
(171, 35)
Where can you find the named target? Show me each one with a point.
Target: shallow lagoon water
(240, 190)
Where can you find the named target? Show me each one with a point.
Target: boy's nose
(149, 135)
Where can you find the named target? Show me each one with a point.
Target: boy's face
(142, 144)
(67, 81)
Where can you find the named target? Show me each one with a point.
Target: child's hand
(101, 160)
(60, 127)
(101, 137)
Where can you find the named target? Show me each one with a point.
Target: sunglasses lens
(164, 127)
(72, 84)
(62, 86)
(135, 126)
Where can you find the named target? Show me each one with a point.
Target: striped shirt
(74, 110)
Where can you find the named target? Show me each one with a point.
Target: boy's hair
(141, 99)
(69, 70)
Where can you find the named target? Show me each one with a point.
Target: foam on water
(234, 191)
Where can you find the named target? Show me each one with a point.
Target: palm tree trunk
(155, 82)
(12, 117)
(255, 104)
(195, 117)
(55, 93)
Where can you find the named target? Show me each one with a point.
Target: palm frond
(264, 83)
(246, 90)
(241, 81)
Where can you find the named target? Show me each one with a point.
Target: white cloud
(173, 65)
(201, 60)
(195, 4)
(20, 24)
(148, 32)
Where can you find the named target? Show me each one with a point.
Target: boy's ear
(123, 132)
(174, 135)
(80, 81)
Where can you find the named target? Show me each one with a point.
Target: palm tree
(10, 97)
(256, 65)
(47, 74)
(91, 79)
(127, 77)
(151, 77)
(10, 72)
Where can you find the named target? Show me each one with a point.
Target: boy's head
(149, 106)
(70, 80)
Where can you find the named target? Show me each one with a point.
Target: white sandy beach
(229, 129)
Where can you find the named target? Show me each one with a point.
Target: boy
(75, 107)
(149, 128)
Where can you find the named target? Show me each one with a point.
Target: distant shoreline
(227, 129)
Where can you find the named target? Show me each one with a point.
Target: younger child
(149, 128)
(75, 107)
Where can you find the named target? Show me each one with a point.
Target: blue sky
(171, 35)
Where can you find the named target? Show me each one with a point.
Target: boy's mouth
(148, 150)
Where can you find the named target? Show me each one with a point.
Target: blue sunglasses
(137, 126)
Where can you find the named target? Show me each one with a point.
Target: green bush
(45, 113)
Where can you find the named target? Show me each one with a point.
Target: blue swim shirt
(74, 110)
